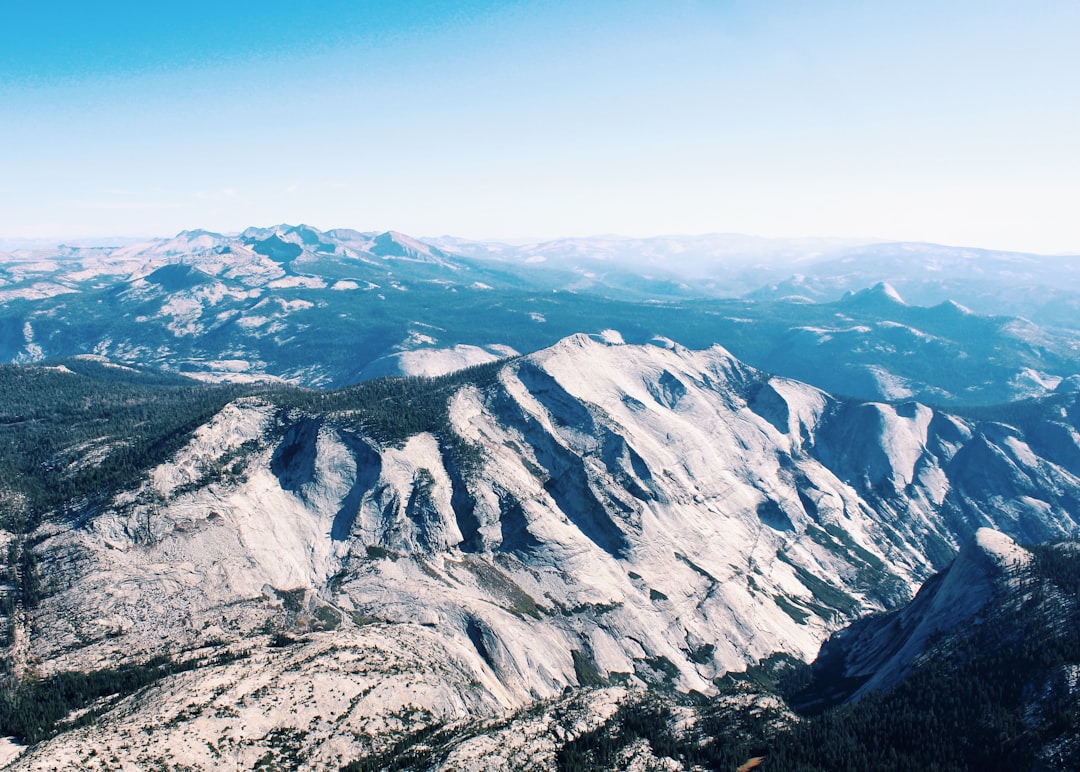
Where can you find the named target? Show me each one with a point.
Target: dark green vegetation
(31, 710)
(416, 751)
(604, 748)
(69, 439)
(36, 708)
(19, 572)
(390, 410)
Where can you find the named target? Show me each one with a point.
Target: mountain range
(256, 304)
(654, 504)
(317, 575)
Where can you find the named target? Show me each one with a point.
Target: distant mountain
(314, 577)
(1043, 288)
(872, 344)
(723, 265)
(331, 308)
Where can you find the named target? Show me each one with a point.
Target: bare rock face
(596, 514)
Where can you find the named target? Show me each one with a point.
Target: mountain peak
(1002, 550)
(394, 244)
(955, 308)
(880, 294)
(198, 233)
(307, 235)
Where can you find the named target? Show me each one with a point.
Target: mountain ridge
(593, 513)
(874, 654)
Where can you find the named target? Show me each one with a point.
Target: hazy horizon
(948, 122)
(118, 240)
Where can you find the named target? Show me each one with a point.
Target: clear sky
(951, 120)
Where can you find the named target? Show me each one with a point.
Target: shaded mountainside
(994, 687)
(431, 552)
(978, 672)
(878, 652)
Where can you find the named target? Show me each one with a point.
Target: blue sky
(947, 121)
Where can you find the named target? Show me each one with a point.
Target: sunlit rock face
(593, 513)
